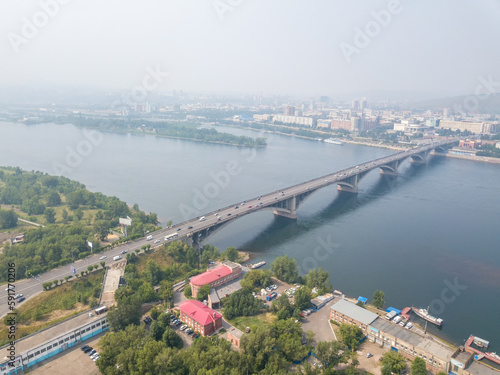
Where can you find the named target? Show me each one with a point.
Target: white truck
(117, 257)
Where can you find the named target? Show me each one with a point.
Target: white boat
(424, 314)
(334, 141)
(493, 355)
(257, 265)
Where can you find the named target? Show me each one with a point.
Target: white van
(117, 257)
(150, 237)
(202, 218)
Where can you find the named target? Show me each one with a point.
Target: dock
(405, 312)
(479, 354)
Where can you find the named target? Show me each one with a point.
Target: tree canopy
(285, 269)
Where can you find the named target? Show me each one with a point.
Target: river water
(429, 237)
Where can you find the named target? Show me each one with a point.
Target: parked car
(84, 347)
(21, 299)
(94, 355)
(183, 327)
(92, 352)
(368, 355)
(88, 349)
(96, 358)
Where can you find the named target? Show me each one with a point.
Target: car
(229, 214)
(178, 323)
(124, 252)
(103, 257)
(96, 358)
(157, 241)
(242, 204)
(92, 352)
(19, 295)
(275, 197)
(369, 355)
(10, 287)
(216, 214)
(259, 198)
(195, 336)
(21, 299)
(235, 207)
(250, 206)
(189, 331)
(190, 227)
(84, 347)
(183, 327)
(260, 203)
(88, 349)
(178, 229)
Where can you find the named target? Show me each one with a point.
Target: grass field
(53, 306)
(241, 322)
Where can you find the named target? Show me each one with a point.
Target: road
(33, 286)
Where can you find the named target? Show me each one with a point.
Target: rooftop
(211, 275)
(199, 312)
(425, 343)
(355, 312)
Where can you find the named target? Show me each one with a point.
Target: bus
(101, 310)
(171, 236)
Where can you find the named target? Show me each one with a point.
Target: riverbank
(484, 159)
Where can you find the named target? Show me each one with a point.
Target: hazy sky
(303, 47)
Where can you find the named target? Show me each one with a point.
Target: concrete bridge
(285, 202)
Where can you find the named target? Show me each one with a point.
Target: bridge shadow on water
(283, 230)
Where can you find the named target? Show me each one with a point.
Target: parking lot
(71, 361)
(319, 323)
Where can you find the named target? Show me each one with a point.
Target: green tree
(351, 335)
(50, 215)
(127, 312)
(53, 199)
(231, 254)
(393, 362)
(203, 292)
(317, 278)
(101, 229)
(154, 313)
(187, 291)
(328, 352)
(285, 269)
(418, 367)
(65, 215)
(8, 219)
(256, 279)
(378, 299)
(103, 264)
(302, 298)
(172, 339)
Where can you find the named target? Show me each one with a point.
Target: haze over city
(249, 187)
(424, 48)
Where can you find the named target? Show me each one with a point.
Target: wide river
(429, 237)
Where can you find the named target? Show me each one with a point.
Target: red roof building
(200, 317)
(215, 277)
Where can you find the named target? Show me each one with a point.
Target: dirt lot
(72, 361)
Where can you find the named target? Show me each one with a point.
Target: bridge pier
(390, 169)
(420, 158)
(289, 209)
(286, 213)
(349, 185)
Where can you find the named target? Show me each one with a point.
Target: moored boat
(424, 314)
(334, 141)
(257, 265)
